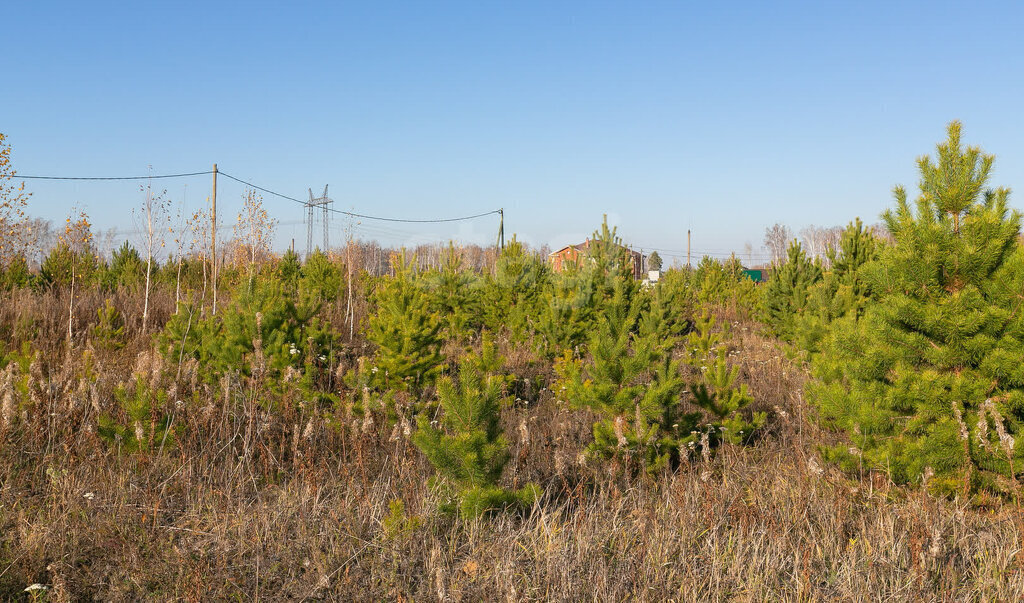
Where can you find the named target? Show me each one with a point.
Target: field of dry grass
(254, 503)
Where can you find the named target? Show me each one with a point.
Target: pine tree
(127, 268)
(578, 294)
(631, 381)
(142, 425)
(16, 275)
(721, 284)
(667, 309)
(405, 330)
(512, 298)
(264, 329)
(716, 391)
(786, 293)
(289, 268)
(608, 264)
(109, 330)
(654, 261)
(467, 447)
(320, 277)
(843, 290)
(454, 295)
(566, 311)
(930, 382)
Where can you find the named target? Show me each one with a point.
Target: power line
(114, 231)
(364, 216)
(259, 188)
(265, 190)
(16, 177)
(707, 252)
(434, 221)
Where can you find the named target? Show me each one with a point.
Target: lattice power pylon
(322, 202)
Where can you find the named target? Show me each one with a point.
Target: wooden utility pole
(213, 236)
(687, 247)
(501, 229)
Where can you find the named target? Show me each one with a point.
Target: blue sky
(723, 118)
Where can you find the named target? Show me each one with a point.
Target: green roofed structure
(758, 275)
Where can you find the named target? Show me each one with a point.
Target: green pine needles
(629, 380)
(929, 384)
(716, 391)
(406, 330)
(454, 293)
(636, 387)
(786, 293)
(716, 284)
(513, 296)
(467, 446)
(843, 292)
(577, 295)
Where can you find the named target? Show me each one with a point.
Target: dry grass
(293, 504)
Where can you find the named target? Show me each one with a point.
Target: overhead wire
(704, 252)
(365, 216)
(154, 177)
(265, 190)
(373, 230)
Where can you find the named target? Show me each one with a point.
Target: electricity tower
(322, 202)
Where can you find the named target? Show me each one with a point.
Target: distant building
(758, 275)
(653, 276)
(574, 254)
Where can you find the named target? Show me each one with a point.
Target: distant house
(758, 275)
(574, 254)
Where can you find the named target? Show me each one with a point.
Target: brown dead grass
(293, 504)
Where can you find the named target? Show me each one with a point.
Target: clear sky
(719, 117)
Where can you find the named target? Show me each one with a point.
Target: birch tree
(154, 220)
(254, 231)
(14, 232)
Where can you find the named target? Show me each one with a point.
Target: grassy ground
(295, 504)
